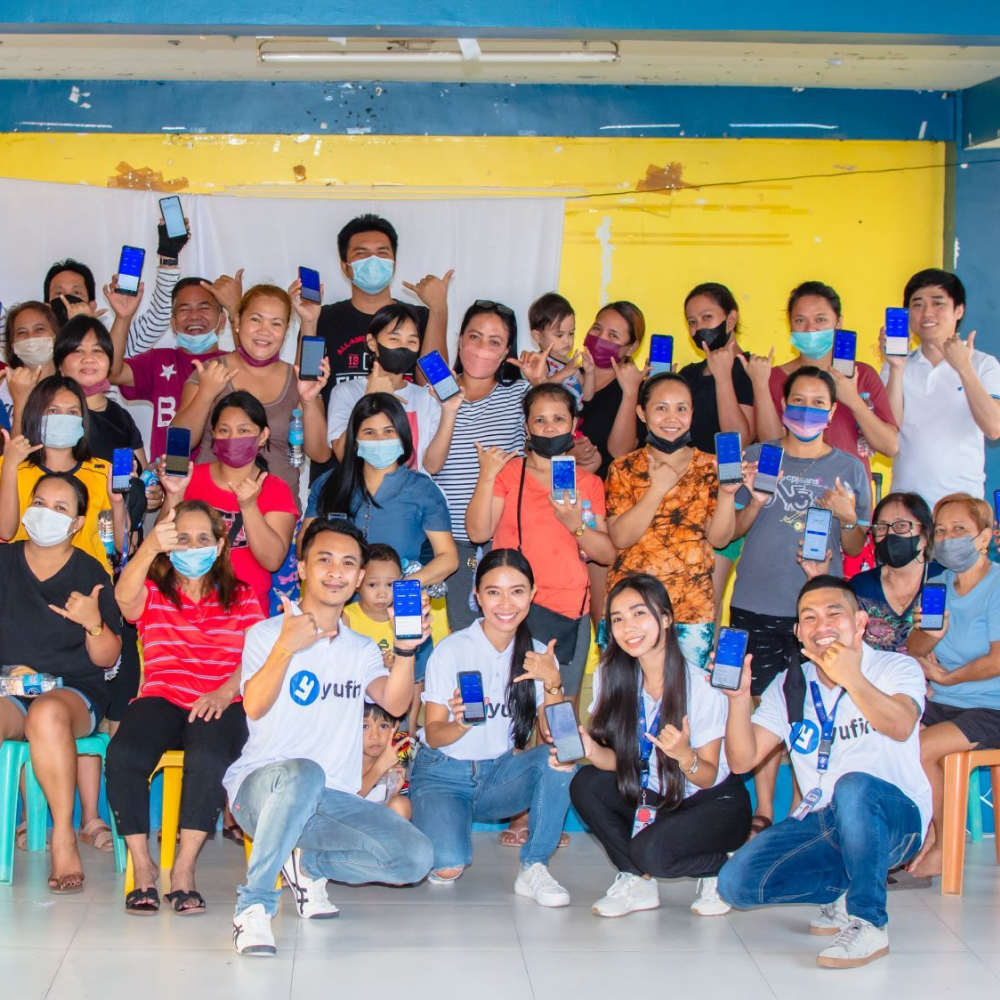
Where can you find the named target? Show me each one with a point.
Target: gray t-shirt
(768, 576)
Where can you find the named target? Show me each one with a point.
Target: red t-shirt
(274, 496)
(194, 650)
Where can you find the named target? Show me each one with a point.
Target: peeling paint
(300, 173)
(957, 251)
(666, 178)
(603, 234)
(132, 178)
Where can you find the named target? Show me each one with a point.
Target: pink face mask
(255, 362)
(92, 390)
(477, 364)
(235, 452)
(602, 351)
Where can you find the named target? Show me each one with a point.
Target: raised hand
(629, 376)
(541, 667)
(379, 380)
(840, 663)
(163, 537)
(80, 608)
(958, 352)
(173, 486)
(720, 362)
(21, 381)
(304, 308)
(213, 376)
(299, 631)
(228, 291)
(411, 645)
(812, 567)
(568, 512)
(892, 360)
(492, 460)
(432, 290)
(247, 490)
(311, 388)
(16, 450)
(74, 309)
(534, 365)
(674, 742)
(840, 500)
(123, 306)
(758, 368)
(568, 370)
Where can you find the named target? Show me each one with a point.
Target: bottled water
(590, 520)
(296, 440)
(28, 684)
(106, 530)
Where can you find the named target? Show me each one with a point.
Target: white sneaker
(832, 917)
(627, 894)
(536, 882)
(857, 944)
(252, 932)
(709, 903)
(309, 894)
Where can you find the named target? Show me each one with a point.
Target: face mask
(235, 452)
(711, 338)
(197, 343)
(61, 430)
(59, 307)
(813, 343)
(380, 454)
(806, 422)
(194, 563)
(46, 527)
(255, 362)
(957, 554)
(35, 351)
(372, 274)
(479, 365)
(92, 390)
(668, 447)
(897, 551)
(397, 360)
(602, 351)
(547, 447)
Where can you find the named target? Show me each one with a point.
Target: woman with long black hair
(658, 794)
(465, 772)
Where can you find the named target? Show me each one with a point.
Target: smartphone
(661, 353)
(121, 470)
(470, 687)
(438, 374)
(877, 483)
(897, 332)
(996, 504)
(173, 216)
(407, 615)
(178, 451)
(729, 457)
(312, 353)
(814, 541)
(768, 468)
(932, 600)
(310, 284)
(130, 270)
(845, 347)
(729, 656)
(563, 478)
(565, 732)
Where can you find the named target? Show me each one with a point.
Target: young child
(386, 752)
(553, 324)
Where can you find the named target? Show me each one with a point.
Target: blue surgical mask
(61, 430)
(957, 554)
(380, 454)
(194, 563)
(813, 343)
(197, 343)
(372, 274)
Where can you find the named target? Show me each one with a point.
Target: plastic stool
(13, 756)
(172, 766)
(37, 809)
(247, 848)
(957, 770)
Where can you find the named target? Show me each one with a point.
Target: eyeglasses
(900, 527)
(498, 307)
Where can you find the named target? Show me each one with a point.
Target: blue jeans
(448, 794)
(869, 827)
(343, 837)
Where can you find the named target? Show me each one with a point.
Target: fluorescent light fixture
(427, 58)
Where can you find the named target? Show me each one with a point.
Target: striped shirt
(148, 328)
(194, 650)
(495, 421)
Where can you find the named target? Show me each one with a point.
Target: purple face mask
(602, 351)
(806, 422)
(235, 452)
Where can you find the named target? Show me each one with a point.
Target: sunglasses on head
(497, 307)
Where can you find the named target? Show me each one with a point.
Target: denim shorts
(22, 703)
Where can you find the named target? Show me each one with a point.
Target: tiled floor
(477, 940)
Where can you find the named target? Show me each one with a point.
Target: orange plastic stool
(957, 768)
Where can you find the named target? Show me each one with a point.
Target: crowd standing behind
(146, 595)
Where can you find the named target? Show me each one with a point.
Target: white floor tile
(47, 924)
(28, 972)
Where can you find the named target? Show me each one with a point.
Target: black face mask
(668, 447)
(713, 338)
(897, 551)
(549, 447)
(397, 360)
(59, 308)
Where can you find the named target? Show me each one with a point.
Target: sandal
(758, 824)
(900, 878)
(564, 840)
(179, 898)
(21, 837)
(97, 833)
(142, 902)
(513, 837)
(233, 833)
(66, 885)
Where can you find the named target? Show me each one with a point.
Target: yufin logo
(304, 687)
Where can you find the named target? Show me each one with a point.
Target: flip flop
(66, 885)
(233, 833)
(97, 833)
(180, 897)
(512, 837)
(900, 878)
(142, 903)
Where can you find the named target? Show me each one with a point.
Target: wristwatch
(694, 766)
(554, 690)
(579, 531)
(848, 527)
(96, 630)
(403, 652)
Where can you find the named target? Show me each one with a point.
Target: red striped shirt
(196, 649)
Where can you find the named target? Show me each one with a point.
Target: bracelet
(554, 690)
(694, 766)
(281, 649)
(403, 652)
(848, 527)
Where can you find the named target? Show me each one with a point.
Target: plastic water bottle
(864, 448)
(149, 478)
(106, 530)
(296, 440)
(589, 520)
(411, 566)
(28, 684)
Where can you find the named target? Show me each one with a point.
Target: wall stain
(131, 178)
(666, 178)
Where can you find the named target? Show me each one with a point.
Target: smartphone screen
(897, 332)
(661, 353)
(313, 350)
(437, 372)
(563, 478)
(121, 470)
(845, 346)
(130, 269)
(470, 687)
(565, 734)
(877, 483)
(932, 606)
(178, 451)
(729, 457)
(996, 504)
(406, 609)
(768, 468)
(729, 656)
(310, 284)
(173, 216)
(814, 541)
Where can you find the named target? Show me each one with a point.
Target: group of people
(228, 608)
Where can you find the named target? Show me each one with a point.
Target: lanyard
(826, 725)
(645, 746)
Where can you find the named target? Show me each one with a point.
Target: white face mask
(46, 527)
(35, 351)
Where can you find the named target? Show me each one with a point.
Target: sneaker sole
(710, 913)
(528, 894)
(850, 963)
(635, 909)
(825, 931)
(259, 951)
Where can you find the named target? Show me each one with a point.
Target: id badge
(809, 802)
(644, 816)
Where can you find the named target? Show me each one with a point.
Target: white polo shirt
(469, 649)
(941, 448)
(319, 713)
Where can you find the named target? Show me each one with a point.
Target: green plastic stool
(975, 807)
(13, 757)
(37, 809)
